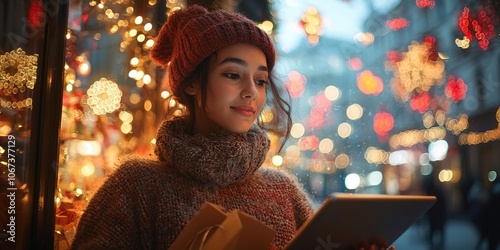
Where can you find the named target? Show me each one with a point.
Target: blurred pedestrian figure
(437, 214)
(492, 216)
(485, 213)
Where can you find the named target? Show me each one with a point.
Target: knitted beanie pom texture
(190, 35)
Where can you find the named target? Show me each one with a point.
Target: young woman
(219, 66)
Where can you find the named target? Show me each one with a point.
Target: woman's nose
(250, 90)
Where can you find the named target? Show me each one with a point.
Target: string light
(17, 71)
(104, 96)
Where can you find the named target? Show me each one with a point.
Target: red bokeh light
(456, 89)
(308, 143)
(397, 23)
(295, 84)
(420, 102)
(480, 25)
(425, 3)
(355, 63)
(383, 123)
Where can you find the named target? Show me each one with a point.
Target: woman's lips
(247, 111)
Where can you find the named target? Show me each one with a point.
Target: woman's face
(235, 92)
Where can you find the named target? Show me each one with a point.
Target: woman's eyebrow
(241, 62)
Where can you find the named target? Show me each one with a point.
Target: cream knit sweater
(145, 204)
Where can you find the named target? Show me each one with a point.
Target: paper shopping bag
(208, 216)
(212, 229)
(240, 231)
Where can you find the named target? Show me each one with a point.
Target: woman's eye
(232, 75)
(261, 82)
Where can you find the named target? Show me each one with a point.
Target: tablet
(349, 221)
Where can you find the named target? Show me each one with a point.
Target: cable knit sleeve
(111, 220)
(302, 203)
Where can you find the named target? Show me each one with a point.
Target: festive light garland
(17, 73)
(104, 96)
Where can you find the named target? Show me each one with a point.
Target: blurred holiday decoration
(383, 122)
(478, 25)
(355, 63)
(320, 110)
(17, 75)
(420, 102)
(366, 38)
(422, 4)
(474, 138)
(312, 24)
(397, 23)
(295, 84)
(417, 70)
(456, 89)
(309, 143)
(369, 83)
(104, 96)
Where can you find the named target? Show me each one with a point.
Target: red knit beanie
(190, 35)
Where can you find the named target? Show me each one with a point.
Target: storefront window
(23, 77)
(111, 99)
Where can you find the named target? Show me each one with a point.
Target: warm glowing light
(376, 156)
(354, 111)
(344, 130)
(292, 153)
(267, 26)
(138, 20)
(88, 148)
(277, 160)
(149, 43)
(326, 146)
(134, 98)
(369, 83)
(311, 23)
(365, 38)
(134, 61)
(266, 116)
(88, 169)
(146, 79)
(445, 175)
(332, 93)
(132, 32)
(104, 96)
(126, 128)
(165, 94)
(298, 130)
(141, 38)
(148, 105)
(342, 161)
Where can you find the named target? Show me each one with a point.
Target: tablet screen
(349, 221)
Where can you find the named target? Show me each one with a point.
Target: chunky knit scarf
(221, 159)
